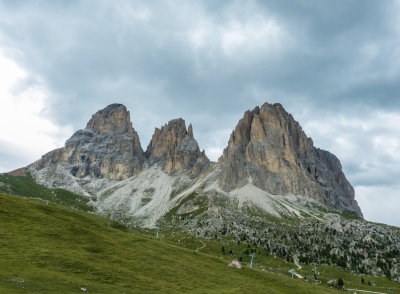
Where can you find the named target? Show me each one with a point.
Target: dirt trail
(204, 245)
(365, 291)
(298, 268)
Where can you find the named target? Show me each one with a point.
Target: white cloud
(214, 141)
(24, 130)
(238, 37)
(367, 146)
(380, 204)
(213, 153)
(131, 12)
(257, 34)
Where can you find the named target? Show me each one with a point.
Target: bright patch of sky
(25, 132)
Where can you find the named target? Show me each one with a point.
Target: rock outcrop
(236, 264)
(269, 149)
(174, 148)
(108, 147)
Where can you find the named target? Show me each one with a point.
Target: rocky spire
(108, 147)
(175, 149)
(269, 149)
(190, 131)
(113, 118)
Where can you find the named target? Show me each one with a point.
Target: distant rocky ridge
(267, 149)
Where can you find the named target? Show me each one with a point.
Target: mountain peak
(108, 147)
(114, 118)
(174, 147)
(269, 149)
(190, 131)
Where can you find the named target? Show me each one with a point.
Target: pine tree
(340, 282)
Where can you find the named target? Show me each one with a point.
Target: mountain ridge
(267, 148)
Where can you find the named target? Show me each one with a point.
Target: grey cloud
(9, 159)
(107, 47)
(379, 203)
(365, 143)
(91, 53)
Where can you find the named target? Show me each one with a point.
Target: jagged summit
(175, 149)
(113, 118)
(108, 148)
(269, 149)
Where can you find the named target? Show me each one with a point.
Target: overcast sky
(335, 65)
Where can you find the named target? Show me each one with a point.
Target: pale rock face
(175, 149)
(269, 149)
(113, 118)
(108, 147)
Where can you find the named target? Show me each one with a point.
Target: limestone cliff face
(108, 147)
(269, 149)
(175, 149)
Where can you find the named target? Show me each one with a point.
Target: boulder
(236, 264)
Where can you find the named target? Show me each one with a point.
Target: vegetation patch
(175, 192)
(149, 192)
(27, 187)
(144, 201)
(108, 192)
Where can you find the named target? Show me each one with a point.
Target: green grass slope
(54, 249)
(27, 187)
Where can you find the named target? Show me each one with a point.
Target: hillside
(25, 185)
(53, 249)
(293, 228)
(271, 193)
